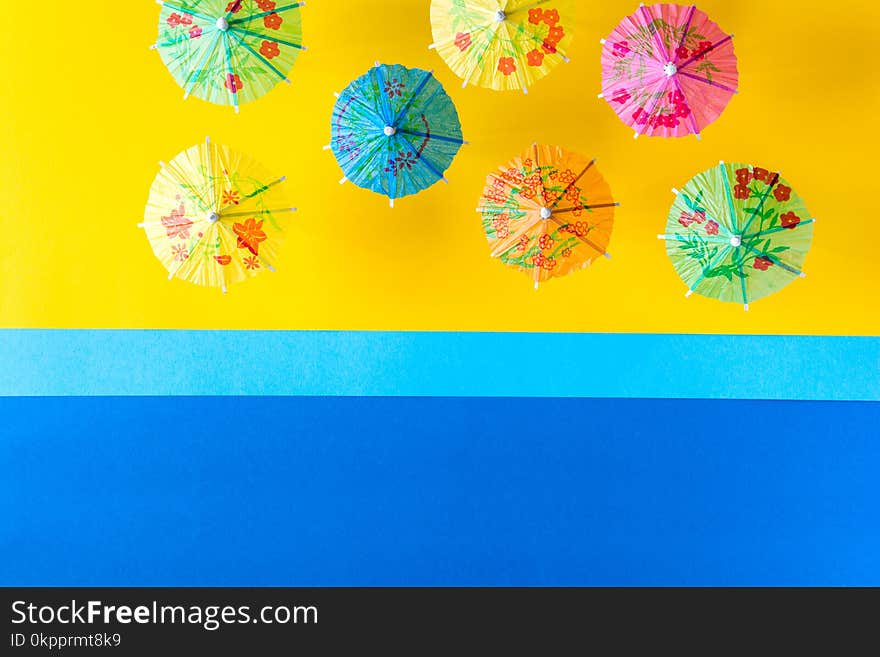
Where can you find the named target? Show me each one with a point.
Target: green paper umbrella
(738, 233)
(229, 53)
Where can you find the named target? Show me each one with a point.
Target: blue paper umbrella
(395, 131)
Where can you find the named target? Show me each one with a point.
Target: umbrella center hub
(500, 16)
(222, 24)
(670, 69)
(546, 213)
(213, 217)
(736, 241)
(390, 131)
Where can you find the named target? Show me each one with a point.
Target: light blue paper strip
(199, 363)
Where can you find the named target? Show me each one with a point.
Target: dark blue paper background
(401, 491)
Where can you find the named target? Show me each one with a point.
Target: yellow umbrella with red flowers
(213, 216)
(502, 44)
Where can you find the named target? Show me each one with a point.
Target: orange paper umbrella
(548, 213)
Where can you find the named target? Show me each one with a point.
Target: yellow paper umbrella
(548, 213)
(213, 216)
(502, 44)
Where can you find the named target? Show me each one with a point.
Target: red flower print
(743, 176)
(527, 192)
(782, 193)
(567, 177)
(195, 32)
(174, 20)
(250, 234)
(234, 6)
(711, 228)
(621, 49)
(536, 16)
(701, 50)
(270, 50)
(700, 216)
(556, 34)
(506, 65)
(463, 40)
(500, 224)
(493, 195)
(546, 242)
(404, 160)
(266, 5)
(394, 88)
(566, 253)
(233, 83)
(272, 21)
(549, 264)
(621, 96)
(742, 192)
(539, 260)
(186, 19)
(176, 224)
(549, 47)
(681, 53)
(231, 197)
(762, 263)
(179, 252)
(640, 116)
(682, 111)
(551, 17)
(535, 58)
(223, 259)
(761, 174)
(790, 220)
(534, 180)
(251, 262)
(527, 163)
(549, 198)
(676, 97)
(581, 229)
(523, 243)
(686, 219)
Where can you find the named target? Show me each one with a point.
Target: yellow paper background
(88, 111)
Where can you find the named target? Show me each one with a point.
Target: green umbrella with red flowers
(229, 52)
(738, 233)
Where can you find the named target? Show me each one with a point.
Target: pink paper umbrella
(668, 70)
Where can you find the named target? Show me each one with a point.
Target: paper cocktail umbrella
(395, 131)
(502, 44)
(229, 52)
(668, 70)
(213, 216)
(548, 213)
(738, 233)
